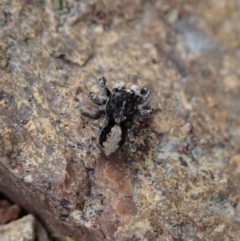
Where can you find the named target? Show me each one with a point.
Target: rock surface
(8, 212)
(24, 229)
(183, 181)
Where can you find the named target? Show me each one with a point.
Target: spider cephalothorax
(121, 109)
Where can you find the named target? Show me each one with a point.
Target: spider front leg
(96, 100)
(103, 87)
(95, 116)
(144, 113)
(144, 95)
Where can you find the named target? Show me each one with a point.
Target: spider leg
(135, 125)
(103, 87)
(144, 95)
(144, 113)
(95, 116)
(124, 134)
(133, 147)
(131, 137)
(105, 131)
(131, 134)
(95, 99)
(103, 122)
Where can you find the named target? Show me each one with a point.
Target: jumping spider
(120, 113)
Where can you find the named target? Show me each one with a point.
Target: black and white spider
(121, 109)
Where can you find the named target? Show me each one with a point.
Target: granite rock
(183, 181)
(24, 229)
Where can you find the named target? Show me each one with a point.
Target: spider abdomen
(112, 137)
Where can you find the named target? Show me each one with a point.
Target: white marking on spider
(112, 141)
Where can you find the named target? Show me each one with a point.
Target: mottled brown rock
(117, 175)
(8, 212)
(125, 209)
(183, 181)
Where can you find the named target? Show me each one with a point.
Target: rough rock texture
(24, 229)
(8, 212)
(183, 181)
